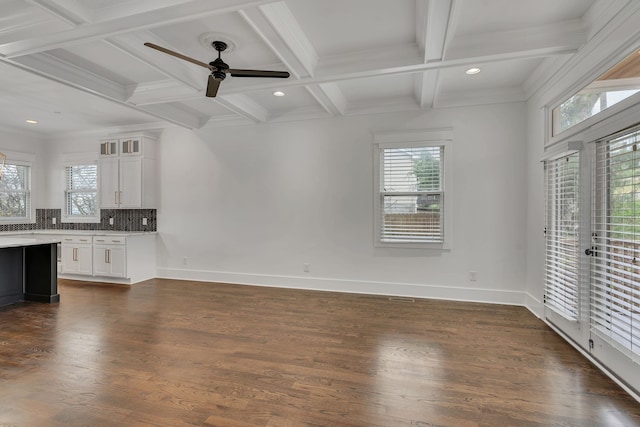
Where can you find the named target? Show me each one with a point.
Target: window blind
(563, 235)
(615, 263)
(411, 194)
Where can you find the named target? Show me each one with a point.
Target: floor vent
(401, 299)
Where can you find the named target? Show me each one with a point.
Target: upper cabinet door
(131, 182)
(109, 147)
(131, 146)
(109, 185)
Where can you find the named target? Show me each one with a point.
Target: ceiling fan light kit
(219, 69)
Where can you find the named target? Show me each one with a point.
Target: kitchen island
(28, 269)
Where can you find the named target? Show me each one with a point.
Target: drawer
(77, 239)
(106, 240)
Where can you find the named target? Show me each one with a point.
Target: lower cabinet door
(77, 258)
(109, 260)
(85, 259)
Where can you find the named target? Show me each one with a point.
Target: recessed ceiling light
(278, 93)
(30, 121)
(472, 71)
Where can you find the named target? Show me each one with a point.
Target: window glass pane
(83, 177)
(412, 218)
(412, 169)
(14, 178)
(13, 205)
(617, 84)
(84, 204)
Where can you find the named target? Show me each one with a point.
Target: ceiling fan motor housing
(219, 69)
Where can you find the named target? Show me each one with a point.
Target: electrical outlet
(185, 261)
(306, 267)
(110, 221)
(54, 220)
(144, 221)
(473, 275)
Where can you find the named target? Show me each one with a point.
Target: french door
(592, 281)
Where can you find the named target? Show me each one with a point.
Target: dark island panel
(41, 273)
(28, 271)
(11, 270)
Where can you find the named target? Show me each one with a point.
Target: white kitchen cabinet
(115, 257)
(128, 179)
(109, 256)
(77, 255)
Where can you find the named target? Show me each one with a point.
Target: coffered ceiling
(74, 65)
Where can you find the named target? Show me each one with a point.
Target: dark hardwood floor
(176, 353)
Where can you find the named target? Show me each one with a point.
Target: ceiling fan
(218, 67)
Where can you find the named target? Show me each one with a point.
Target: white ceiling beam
(368, 64)
(558, 37)
(481, 97)
(390, 62)
(244, 106)
(278, 28)
(433, 18)
(330, 97)
(86, 33)
(426, 88)
(160, 92)
(54, 68)
(102, 88)
(120, 9)
(70, 11)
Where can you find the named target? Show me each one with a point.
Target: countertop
(30, 233)
(13, 242)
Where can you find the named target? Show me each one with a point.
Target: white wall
(59, 148)
(253, 204)
(31, 144)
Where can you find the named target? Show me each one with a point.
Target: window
(617, 84)
(412, 172)
(81, 193)
(15, 192)
(563, 235)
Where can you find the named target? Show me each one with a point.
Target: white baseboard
(534, 305)
(494, 296)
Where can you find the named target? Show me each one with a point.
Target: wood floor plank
(182, 353)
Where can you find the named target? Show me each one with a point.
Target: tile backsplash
(123, 220)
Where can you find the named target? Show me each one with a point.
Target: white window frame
(22, 159)
(552, 138)
(411, 139)
(80, 160)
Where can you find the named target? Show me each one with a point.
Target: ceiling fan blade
(177, 55)
(212, 86)
(258, 73)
